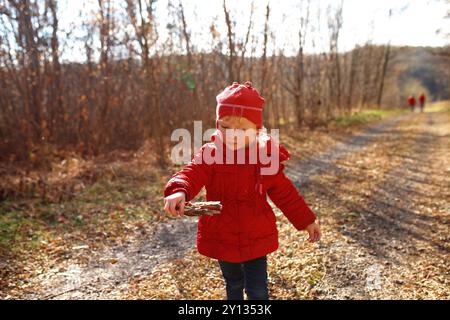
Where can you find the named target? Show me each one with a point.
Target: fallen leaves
(382, 211)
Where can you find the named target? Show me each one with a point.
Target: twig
(201, 208)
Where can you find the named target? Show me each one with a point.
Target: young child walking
(245, 232)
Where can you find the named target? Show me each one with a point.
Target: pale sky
(413, 22)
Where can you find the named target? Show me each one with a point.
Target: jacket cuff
(174, 189)
(304, 219)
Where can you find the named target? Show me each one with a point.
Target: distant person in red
(412, 102)
(422, 101)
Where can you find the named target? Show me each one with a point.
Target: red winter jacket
(422, 98)
(246, 228)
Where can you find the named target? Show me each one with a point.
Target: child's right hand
(174, 204)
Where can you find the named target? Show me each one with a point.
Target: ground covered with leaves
(379, 184)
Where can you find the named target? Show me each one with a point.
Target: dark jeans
(251, 275)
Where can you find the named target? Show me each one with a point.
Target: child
(422, 101)
(245, 231)
(412, 102)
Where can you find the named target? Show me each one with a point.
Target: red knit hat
(241, 100)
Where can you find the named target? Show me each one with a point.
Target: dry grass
(382, 209)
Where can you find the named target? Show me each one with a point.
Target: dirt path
(388, 234)
(373, 230)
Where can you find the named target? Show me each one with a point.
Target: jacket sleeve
(191, 178)
(287, 198)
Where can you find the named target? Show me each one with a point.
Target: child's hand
(314, 232)
(174, 204)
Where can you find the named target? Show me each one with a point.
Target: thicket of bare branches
(128, 89)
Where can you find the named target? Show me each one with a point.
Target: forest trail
(384, 227)
(387, 211)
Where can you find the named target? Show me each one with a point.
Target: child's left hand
(314, 232)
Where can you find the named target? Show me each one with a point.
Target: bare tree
(231, 43)
(295, 86)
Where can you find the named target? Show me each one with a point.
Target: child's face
(237, 132)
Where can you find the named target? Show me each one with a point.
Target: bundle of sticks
(194, 209)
